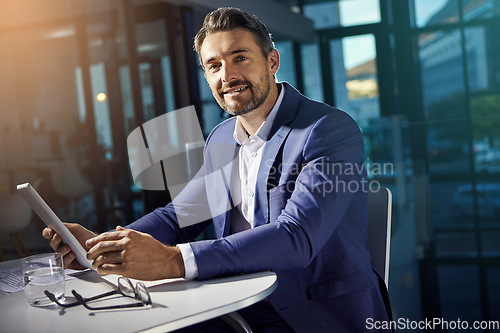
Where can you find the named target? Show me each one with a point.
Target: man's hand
(135, 255)
(81, 234)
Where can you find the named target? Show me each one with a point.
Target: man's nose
(229, 73)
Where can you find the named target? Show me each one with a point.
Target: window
(330, 14)
(355, 80)
(286, 71)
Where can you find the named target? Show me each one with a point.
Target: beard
(258, 95)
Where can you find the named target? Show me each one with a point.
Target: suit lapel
(277, 136)
(221, 157)
(269, 155)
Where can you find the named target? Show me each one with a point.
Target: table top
(177, 303)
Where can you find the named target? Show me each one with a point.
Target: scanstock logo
(166, 153)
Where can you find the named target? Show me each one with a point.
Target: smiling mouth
(234, 91)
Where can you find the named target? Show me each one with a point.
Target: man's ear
(273, 59)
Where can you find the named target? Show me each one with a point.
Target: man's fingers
(63, 249)
(104, 247)
(55, 242)
(54, 238)
(68, 259)
(107, 236)
(110, 269)
(107, 258)
(48, 233)
(58, 246)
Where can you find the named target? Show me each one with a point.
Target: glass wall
(421, 80)
(354, 73)
(46, 134)
(286, 71)
(458, 58)
(69, 101)
(341, 13)
(311, 71)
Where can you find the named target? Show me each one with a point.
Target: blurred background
(420, 77)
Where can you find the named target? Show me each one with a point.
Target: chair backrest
(15, 213)
(68, 181)
(379, 230)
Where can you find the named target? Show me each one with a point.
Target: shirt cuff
(190, 266)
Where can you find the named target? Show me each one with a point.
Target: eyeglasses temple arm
(109, 293)
(53, 298)
(82, 301)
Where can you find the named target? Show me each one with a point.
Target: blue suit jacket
(310, 212)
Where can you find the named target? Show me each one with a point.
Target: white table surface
(176, 304)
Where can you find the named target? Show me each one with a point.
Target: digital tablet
(50, 219)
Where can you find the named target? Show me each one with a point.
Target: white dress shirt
(245, 178)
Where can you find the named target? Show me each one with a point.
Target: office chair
(379, 230)
(69, 182)
(237, 322)
(379, 239)
(15, 216)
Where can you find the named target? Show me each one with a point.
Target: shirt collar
(240, 135)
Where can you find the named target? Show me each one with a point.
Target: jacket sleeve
(315, 202)
(183, 219)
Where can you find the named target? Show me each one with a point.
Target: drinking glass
(43, 272)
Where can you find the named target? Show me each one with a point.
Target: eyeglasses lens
(143, 293)
(126, 287)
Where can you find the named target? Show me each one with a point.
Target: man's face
(236, 71)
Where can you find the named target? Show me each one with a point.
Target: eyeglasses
(125, 288)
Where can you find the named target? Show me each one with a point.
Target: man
(298, 204)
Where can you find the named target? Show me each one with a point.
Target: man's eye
(241, 58)
(213, 67)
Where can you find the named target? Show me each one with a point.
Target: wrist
(175, 264)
